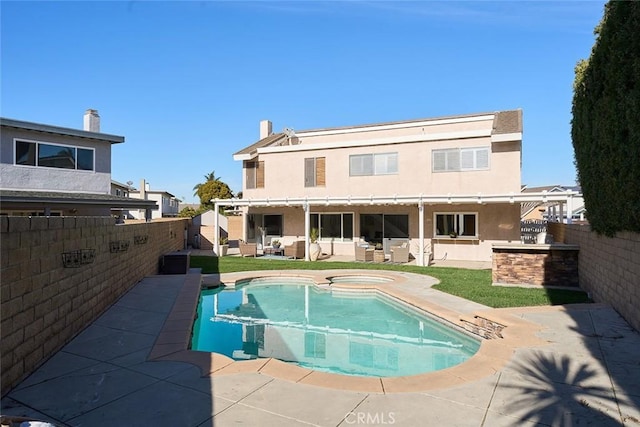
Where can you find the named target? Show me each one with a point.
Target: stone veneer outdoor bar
(535, 264)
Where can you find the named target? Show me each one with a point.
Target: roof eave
(39, 127)
(507, 137)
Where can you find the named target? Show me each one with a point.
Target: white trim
(456, 213)
(244, 156)
(405, 200)
(506, 137)
(390, 126)
(479, 133)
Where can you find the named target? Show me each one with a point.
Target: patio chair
(295, 249)
(400, 253)
(364, 252)
(248, 249)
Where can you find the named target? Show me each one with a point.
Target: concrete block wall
(43, 304)
(609, 268)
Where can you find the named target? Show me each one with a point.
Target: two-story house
(168, 204)
(55, 171)
(448, 186)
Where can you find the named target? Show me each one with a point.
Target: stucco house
(56, 171)
(167, 203)
(447, 187)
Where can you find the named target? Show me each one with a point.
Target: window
(40, 154)
(375, 227)
(272, 224)
(255, 174)
(337, 226)
(373, 164)
(456, 224)
(460, 159)
(314, 168)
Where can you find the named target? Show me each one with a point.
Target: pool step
(482, 326)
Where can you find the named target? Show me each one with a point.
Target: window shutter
(309, 172)
(466, 159)
(439, 161)
(361, 165)
(392, 163)
(482, 158)
(259, 174)
(380, 164)
(320, 171)
(453, 160)
(251, 174)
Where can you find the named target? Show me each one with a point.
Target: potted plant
(224, 246)
(314, 247)
(275, 243)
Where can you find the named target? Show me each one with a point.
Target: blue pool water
(346, 333)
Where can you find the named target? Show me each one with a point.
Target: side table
(378, 255)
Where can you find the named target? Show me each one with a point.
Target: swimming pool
(332, 330)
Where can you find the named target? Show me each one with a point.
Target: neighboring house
(167, 202)
(557, 211)
(204, 225)
(55, 171)
(448, 186)
(119, 189)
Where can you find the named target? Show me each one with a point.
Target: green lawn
(474, 285)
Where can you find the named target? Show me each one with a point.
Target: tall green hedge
(605, 128)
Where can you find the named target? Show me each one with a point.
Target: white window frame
(379, 164)
(336, 239)
(453, 159)
(456, 225)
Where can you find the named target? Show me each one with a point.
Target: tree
(212, 188)
(605, 128)
(188, 212)
(211, 176)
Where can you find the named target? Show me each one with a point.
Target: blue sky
(188, 82)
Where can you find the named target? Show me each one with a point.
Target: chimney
(265, 128)
(91, 121)
(143, 189)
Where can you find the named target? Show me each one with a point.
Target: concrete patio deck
(584, 368)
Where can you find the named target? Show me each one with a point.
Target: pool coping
(173, 341)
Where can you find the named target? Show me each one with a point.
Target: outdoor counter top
(536, 246)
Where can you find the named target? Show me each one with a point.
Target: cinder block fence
(608, 267)
(58, 274)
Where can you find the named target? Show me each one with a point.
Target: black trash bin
(175, 262)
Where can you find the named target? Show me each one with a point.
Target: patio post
(569, 208)
(420, 260)
(307, 224)
(561, 212)
(216, 227)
